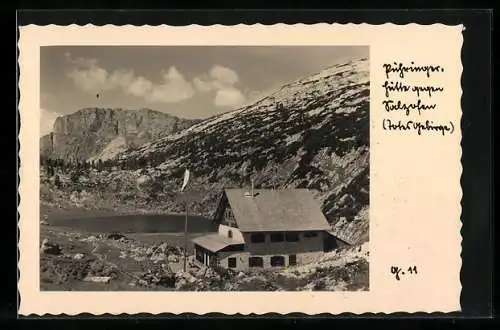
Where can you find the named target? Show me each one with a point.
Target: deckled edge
(218, 314)
(460, 205)
(240, 25)
(19, 128)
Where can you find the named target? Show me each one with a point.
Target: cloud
(88, 76)
(47, 119)
(173, 87)
(203, 84)
(140, 87)
(224, 75)
(221, 80)
(121, 78)
(80, 61)
(93, 79)
(229, 97)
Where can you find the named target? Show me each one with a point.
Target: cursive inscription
(411, 89)
(417, 126)
(401, 69)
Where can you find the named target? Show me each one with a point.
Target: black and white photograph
(204, 168)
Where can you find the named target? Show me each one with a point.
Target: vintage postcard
(240, 169)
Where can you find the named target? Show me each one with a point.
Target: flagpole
(186, 196)
(185, 236)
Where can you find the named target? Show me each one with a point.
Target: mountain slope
(102, 133)
(312, 133)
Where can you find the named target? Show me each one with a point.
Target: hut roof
(215, 242)
(276, 210)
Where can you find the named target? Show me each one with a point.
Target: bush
(75, 176)
(57, 181)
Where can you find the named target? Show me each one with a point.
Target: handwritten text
(411, 89)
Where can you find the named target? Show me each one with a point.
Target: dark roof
(215, 242)
(276, 210)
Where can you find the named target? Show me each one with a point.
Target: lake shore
(77, 212)
(173, 238)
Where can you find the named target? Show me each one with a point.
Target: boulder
(180, 284)
(142, 180)
(50, 248)
(116, 236)
(97, 279)
(89, 239)
(173, 259)
(157, 257)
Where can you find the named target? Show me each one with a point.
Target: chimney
(250, 192)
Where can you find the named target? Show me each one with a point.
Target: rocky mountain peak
(87, 132)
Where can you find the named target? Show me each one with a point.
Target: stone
(180, 284)
(97, 279)
(89, 239)
(50, 248)
(116, 236)
(173, 259)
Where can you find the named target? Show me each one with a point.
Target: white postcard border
(418, 224)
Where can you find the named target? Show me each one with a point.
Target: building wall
(237, 235)
(241, 260)
(304, 245)
(306, 250)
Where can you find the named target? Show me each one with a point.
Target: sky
(185, 81)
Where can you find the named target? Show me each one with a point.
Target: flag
(186, 179)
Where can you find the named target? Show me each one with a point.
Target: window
(199, 255)
(255, 262)
(292, 260)
(231, 262)
(277, 237)
(310, 234)
(213, 260)
(258, 238)
(277, 261)
(229, 234)
(292, 237)
(229, 219)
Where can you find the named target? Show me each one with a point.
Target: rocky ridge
(93, 133)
